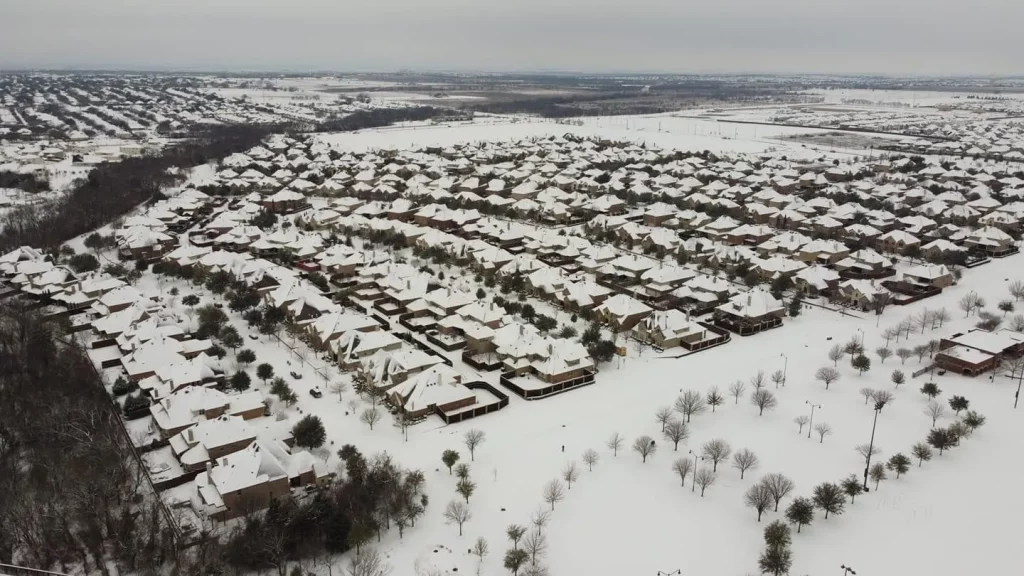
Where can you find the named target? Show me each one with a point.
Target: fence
(550, 390)
(917, 373)
(480, 364)
(461, 415)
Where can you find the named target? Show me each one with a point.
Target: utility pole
(785, 368)
(871, 446)
(811, 423)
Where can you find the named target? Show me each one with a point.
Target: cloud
(823, 36)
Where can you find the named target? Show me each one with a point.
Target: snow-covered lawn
(629, 517)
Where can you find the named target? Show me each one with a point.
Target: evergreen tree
(899, 464)
(449, 457)
(851, 487)
(800, 512)
(309, 432)
(829, 498)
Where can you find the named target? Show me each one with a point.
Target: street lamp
(811, 423)
(847, 570)
(693, 483)
(785, 367)
(871, 445)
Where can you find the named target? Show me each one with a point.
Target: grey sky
(827, 36)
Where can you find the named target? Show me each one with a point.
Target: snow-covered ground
(661, 130)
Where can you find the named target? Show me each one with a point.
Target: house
(865, 263)
(897, 242)
(284, 202)
(622, 312)
(210, 440)
(862, 294)
(991, 241)
(437, 388)
(815, 280)
(928, 276)
(668, 329)
(328, 327)
(750, 313)
(978, 350)
(188, 406)
(247, 480)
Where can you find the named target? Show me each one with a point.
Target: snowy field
(660, 130)
(647, 522)
(629, 517)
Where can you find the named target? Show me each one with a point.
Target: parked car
(315, 392)
(296, 375)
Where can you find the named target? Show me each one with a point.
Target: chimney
(209, 466)
(749, 299)
(191, 435)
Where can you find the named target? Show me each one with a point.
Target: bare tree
(553, 493)
(889, 334)
(676, 432)
(779, 486)
(759, 497)
(541, 517)
(868, 451)
(921, 351)
(690, 403)
(737, 390)
(883, 398)
(1016, 323)
(1016, 289)
(338, 388)
(714, 398)
(903, 354)
(801, 421)
(867, 393)
(590, 457)
(480, 549)
(535, 544)
(935, 411)
(823, 429)
(827, 376)
(763, 399)
(473, 439)
(614, 443)
(941, 316)
(835, 354)
(645, 446)
(370, 417)
(969, 302)
(457, 513)
(758, 380)
(906, 325)
(716, 450)
(883, 353)
(744, 460)
(704, 478)
(663, 416)
(923, 320)
(353, 404)
(683, 467)
(778, 377)
(369, 562)
(570, 474)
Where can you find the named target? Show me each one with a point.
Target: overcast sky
(825, 36)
